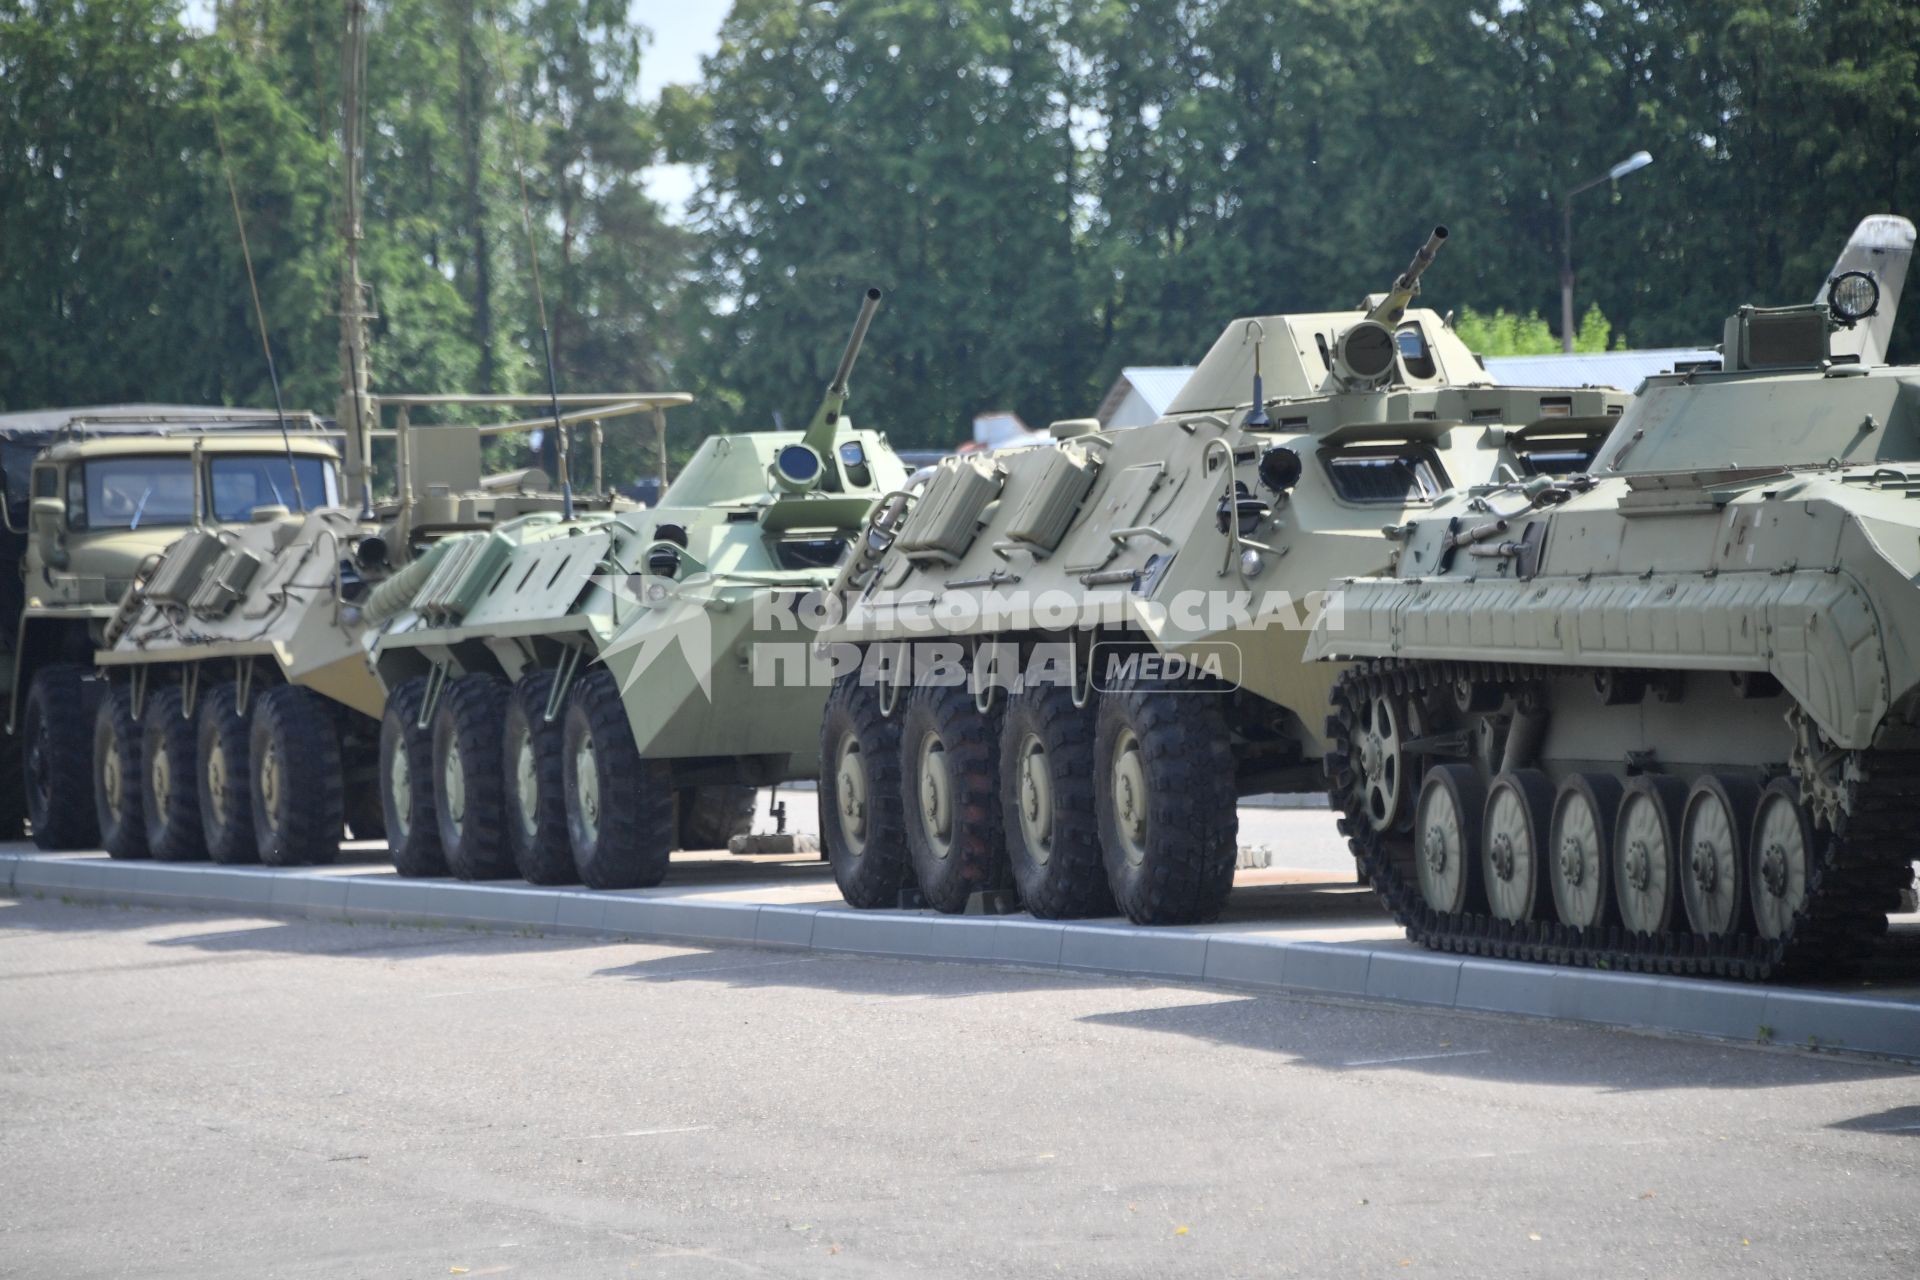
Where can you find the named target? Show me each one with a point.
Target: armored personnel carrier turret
(1663, 715)
(1062, 665)
(571, 699)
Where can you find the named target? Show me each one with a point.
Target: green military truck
(91, 495)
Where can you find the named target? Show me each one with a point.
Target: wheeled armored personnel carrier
(91, 496)
(571, 699)
(243, 718)
(1664, 715)
(1063, 664)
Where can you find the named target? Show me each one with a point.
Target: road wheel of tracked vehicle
(709, 817)
(468, 802)
(116, 774)
(406, 784)
(1163, 794)
(536, 803)
(1646, 863)
(619, 805)
(1714, 829)
(170, 782)
(862, 813)
(226, 798)
(1380, 761)
(293, 754)
(1513, 841)
(1580, 849)
(1781, 856)
(947, 778)
(1046, 800)
(1446, 830)
(57, 768)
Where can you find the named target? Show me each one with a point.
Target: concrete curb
(1788, 1016)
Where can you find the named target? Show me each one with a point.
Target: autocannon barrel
(870, 305)
(1422, 260)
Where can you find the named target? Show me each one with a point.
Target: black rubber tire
(871, 869)
(1193, 825)
(976, 853)
(536, 840)
(172, 812)
(116, 745)
(413, 833)
(1468, 793)
(466, 733)
(709, 817)
(1669, 795)
(56, 732)
(1601, 793)
(1068, 878)
(13, 789)
(294, 734)
(1535, 792)
(627, 841)
(226, 819)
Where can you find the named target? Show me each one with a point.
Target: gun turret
(1390, 308)
(826, 419)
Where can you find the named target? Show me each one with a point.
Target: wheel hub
(1435, 847)
(270, 782)
(1036, 799)
(399, 785)
(586, 779)
(526, 780)
(1501, 855)
(936, 795)
(1773, 870)
(1573, 863)
(1130, 798)
(160, 774)
(1639, 864)
(110, 781)
(850, 785)
(1706, 866)
(453, 786)
(217, 783)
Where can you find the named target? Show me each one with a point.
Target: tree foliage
(1048, 189)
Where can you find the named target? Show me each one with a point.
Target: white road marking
(1417, 1057)
(642, 1133)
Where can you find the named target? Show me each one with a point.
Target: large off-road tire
(293, 752)
(1163, 789)
(169, 778)
(619, 805)
(57, 758)
(406, 784)
(862, 827)
(467, 800)
(536, 802)
(116, 776)
(222, 775)
(949, 775)
(1046, 802)
(13, 788)
(710, 816)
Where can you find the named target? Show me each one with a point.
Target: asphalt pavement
(198, 1095)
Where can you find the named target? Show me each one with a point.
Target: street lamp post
(1638, 160)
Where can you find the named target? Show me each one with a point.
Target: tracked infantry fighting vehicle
(243, 719)
(571, 699)
(1076, 589)
(1666, 715)
(91, 496)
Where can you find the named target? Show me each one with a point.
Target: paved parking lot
(190, 1094)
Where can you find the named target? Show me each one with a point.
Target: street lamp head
(1638, 160)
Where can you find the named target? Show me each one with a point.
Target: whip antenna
(259, 313)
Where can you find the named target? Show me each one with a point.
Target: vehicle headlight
(1853, 296)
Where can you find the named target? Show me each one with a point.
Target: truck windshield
(157, 492)
(241, 483)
